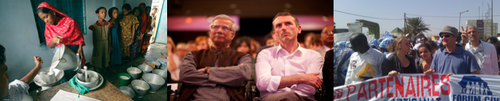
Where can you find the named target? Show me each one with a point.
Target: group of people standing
(454, 53)
(123, 36)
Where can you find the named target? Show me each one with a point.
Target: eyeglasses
(444, 36)
(224, 28)
(328, 32)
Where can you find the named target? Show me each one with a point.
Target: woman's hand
(393, 73)
(57, 39)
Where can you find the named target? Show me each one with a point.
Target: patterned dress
(126, 23)
(135, 47)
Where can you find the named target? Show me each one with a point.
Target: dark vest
(207, 58)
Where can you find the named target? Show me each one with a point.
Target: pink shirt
(275, 62)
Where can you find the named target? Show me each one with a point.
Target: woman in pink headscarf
(61, 29)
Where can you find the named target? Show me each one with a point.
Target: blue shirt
(458, 62)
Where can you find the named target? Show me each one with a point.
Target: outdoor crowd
(453, 53)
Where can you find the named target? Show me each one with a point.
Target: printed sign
(420, 87)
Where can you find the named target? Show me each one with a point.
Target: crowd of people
(123, 36)
(216, 67)
(453, 53)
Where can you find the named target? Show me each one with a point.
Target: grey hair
(224, 16)
(470, 26)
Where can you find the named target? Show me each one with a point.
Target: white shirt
(275, 62)
(18, 91)
(175, 74)
(366, 64)
(323, 50)
(486, 57)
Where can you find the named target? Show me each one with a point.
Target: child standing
(100, 55)
(129, 24)
(116, 57)
(135, 48)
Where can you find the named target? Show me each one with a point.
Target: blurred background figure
(173, 60)
(182, 50)
(492, 40)
(254, 45)
(326, 39)
(307, 39)
(201, 42)
(269, 41)
(191, 45)
(315, 42)
(373, 43)
(243, 45)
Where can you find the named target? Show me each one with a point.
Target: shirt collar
(480, 47)
(326, 48)
(298, 50)
(99, 24)
(457, 51)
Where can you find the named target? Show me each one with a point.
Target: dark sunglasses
(443, 36)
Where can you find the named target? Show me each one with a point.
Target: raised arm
(232, 75)
(189, 74)
(29, 77)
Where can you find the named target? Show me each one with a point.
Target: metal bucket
(155, 81)
(162, 73)
(134, 72)
(127, 91)
(140, 87)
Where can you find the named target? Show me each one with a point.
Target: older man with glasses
(453, 59)
(218, 73)
(484, 52)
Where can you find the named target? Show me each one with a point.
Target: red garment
(144, 19)
(66, 28)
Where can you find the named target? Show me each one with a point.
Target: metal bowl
(140, 87)
(155, 81)
(93, 79)
(145, 68)
(127, 91)
(162, 73)
(134, 72)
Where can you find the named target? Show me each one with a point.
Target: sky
(435, 13)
